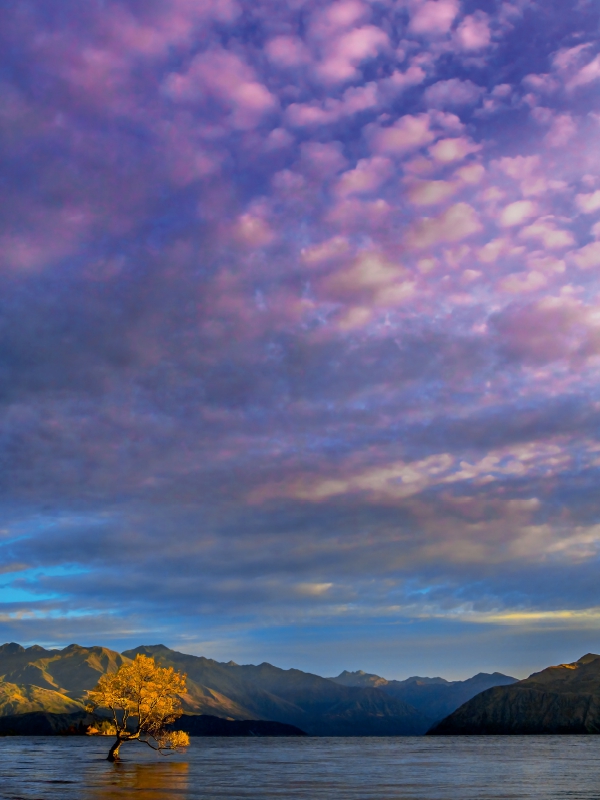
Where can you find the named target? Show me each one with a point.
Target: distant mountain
(37, 680)
(433, 697)
(562, 699)
(313, 704)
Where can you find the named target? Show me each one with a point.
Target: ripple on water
(404, 768)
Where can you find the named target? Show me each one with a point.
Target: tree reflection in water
(149, 782)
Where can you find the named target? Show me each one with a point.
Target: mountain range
(433, 697)
(35, 679)
(561, 699)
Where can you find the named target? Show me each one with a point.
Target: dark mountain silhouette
(561, 699)
(433, 697)
(80, 723)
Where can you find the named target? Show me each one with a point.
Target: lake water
(405, 768)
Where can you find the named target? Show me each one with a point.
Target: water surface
(403, 768)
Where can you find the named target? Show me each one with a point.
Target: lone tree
(144, 700)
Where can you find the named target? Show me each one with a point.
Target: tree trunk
(113, 754)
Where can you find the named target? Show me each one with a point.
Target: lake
(403, 768)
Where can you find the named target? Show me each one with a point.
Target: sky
(300, 330)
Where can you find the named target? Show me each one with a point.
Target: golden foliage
(143, 699)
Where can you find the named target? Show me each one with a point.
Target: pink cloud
(367, 176)
(354, 100)
(587, 74)
(588, 256)
(523, 282)
(551, 329)
(278, 139)
(562, 129)
(541, 262)
(399, 81)
(492, 251)
(588, 203)
(449, 122)
(50, 235)
(407, 133)
(337, 16)
(528, 171)
(473, 33)
(346, 52)
(426, 193)
(353, 215)
(546, 232)
(322, 159)
(470, 173)
(519, 166)
(448, 150)
(225, 77)
(332, 248)
(455, 223)
(542, 83)
(516, 213)
(371, 281)
(453, 92)
(433, 16)
(287, 51)
(569, 57)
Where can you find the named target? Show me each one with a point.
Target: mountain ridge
(561, 699)
(36, 679)
(434, 697)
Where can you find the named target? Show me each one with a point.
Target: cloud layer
(300, 323)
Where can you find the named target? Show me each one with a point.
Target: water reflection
(155, 781)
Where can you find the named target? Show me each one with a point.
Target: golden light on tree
(144, 701)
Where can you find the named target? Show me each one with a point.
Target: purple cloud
(299, 320)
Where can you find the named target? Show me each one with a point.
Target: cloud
(562, 129)
(516, 213)
(473, 33)
(587, 74)
(425, 193)
(255, 268)
(331, 248)
(551, 329)
(433, 17)
(452, 93)
(449, 150)
(287, 51)
(523, 282)
(588, 203)
(545, 232)
(587, 256)
(346, 52)
(366, 177)
(353, 101)
(407, 133)
(455, 223)
(225, 77)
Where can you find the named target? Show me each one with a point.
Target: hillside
(561, 699)
(314, 704)
(35, 680)
(70, 672)
(433, 697)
